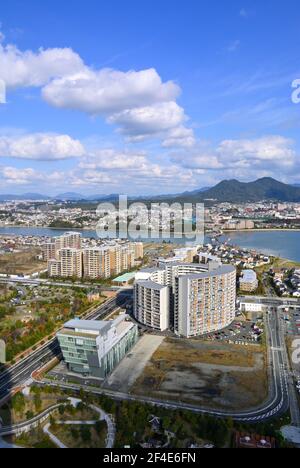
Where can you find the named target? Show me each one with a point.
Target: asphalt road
(62, 284)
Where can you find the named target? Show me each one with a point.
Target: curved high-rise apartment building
(191, 299)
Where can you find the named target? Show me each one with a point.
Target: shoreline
(208, 236)
(262, 230)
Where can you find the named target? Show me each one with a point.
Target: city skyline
(142, 99)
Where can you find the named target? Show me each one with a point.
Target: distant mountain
(25, 196)
(69, 196)
(111, 197)
(239, 192)
(226, 191)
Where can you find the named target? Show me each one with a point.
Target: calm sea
(285, 244)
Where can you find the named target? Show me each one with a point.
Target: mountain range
(231, 191)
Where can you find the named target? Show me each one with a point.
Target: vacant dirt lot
(25, 262)
(204, 373)
(132, 366)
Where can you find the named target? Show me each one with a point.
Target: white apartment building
(206, 301)
(92, 262)
(96, 263)
(115, 260)
(71, 240)
(138, 249)
(192, 299)
(70, 262)
(152, 304)
(49, 251)
(54, 268)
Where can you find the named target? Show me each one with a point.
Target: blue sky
(147, 97)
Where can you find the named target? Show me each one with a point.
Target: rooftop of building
(86, 325)
(254, 441)
(197, 271)
(124, 278)
(77, 327)
(71, 233)
(222, 270)
(248, 276)
(151, 285)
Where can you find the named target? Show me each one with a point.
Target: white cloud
(198, 160)
(24, 69)
(90, 177)
(110, 159)
(12, 175)
(109, 91)
(152, 120)
(139, 102)
(270, 148)
(243, 159)
(40, 146)
(180, 136)
(104, 170)
(128, 170)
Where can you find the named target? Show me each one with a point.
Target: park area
(75, 425)
(29, 314)
(209, 374)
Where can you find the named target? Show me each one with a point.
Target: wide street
(61, 284)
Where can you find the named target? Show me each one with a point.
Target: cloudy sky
(147, 97)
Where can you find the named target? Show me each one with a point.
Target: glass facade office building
(95, 348)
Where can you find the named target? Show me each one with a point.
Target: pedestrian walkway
(111, 431)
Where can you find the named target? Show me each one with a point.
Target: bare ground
(215, 375)
(133, 365)
(25, 262)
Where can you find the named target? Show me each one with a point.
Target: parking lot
(239, 332)
(292, 321)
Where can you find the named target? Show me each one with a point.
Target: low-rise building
(255, 307)
(248, 281)
(95, 348)
(254, 441)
